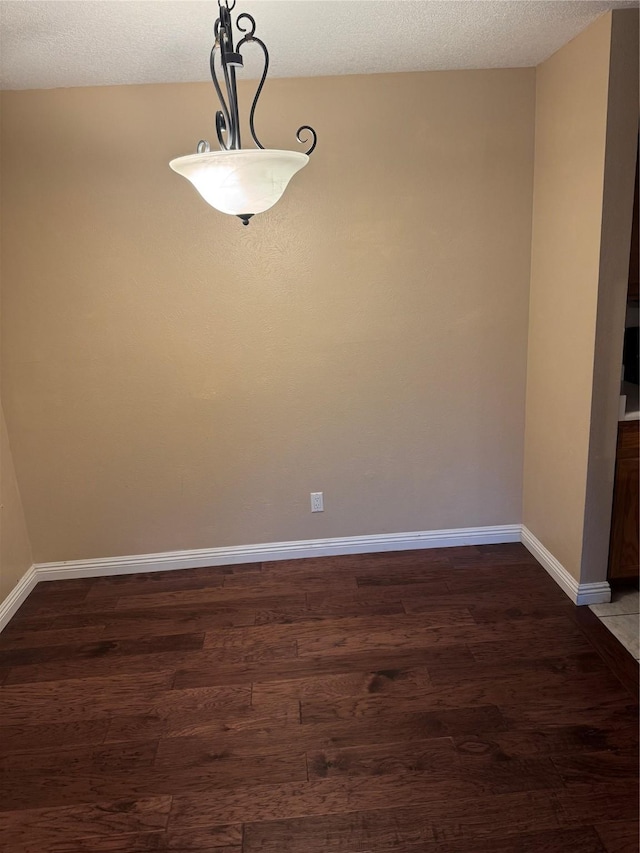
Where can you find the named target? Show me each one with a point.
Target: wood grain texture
(138, 842)
(624, 551)
(34, 830)
(387, 832)
(620, 836)
(620, 660)
(405, 701)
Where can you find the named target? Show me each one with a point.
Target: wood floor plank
(370, 831)
(444, 804)
(403, 636)
(618, 659)
(206, 838)
(586, 709)
(596, 767)
(182, 712)
(344, 634)
(551, 740)
(29, 639)
(22, 622)
(32, 830)
(248, 723)
(529, 647)
(138, 842)
(410, 632)
(385, 832)
(317, 606)
(404, 576)
(550, 693)
(301, 578)
(80, 699)
(378, 705)
(278, 730)
(145, 583)
(464, 671)
(222, 615)
(213, 768)
(124, 727)
(521, 809)
(131, 771)
(23, 737)
(594, 804)
(325, 688)
(44, 606)
(439, 761)
(202, 670)
(106, 667)
(620, 836)
(505, 600)
(125, 624)
(426, 589)
(56, 594)
(408, 804)
(396, 759)
(229, 653)
(223, 595)
(429, 561)
(206, 850)
(48, 653)
(66, 586)
(172, 712)
(565, 841)
(520, 610)
(107, 757)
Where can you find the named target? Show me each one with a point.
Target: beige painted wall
(572, 99)
(615, 247)
(175, 380)
(15, 550)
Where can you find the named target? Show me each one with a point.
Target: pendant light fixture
(236, 180)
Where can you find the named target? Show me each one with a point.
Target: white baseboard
(17, 596)
(579, 593)
(277, 551)
(592, 593)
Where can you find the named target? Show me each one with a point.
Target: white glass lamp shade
(244, 181)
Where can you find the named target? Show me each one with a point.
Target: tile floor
(622, 617)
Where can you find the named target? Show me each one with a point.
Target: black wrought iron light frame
(228, 117)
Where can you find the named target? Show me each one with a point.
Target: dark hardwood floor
(440, 701)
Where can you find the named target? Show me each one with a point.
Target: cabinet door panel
(623, 562)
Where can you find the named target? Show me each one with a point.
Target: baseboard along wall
(579, 593)
(17, 595)
(595, 593)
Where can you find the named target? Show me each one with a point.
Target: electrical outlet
(317, 502)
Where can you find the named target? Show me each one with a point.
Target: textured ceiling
(49, 44)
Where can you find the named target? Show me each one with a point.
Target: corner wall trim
(579, 593)
(277, 551)
(17, 596)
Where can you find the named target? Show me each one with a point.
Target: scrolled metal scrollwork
(256, 97)
(228, 117)
(302, 141)
(252, 24)
(223, 116)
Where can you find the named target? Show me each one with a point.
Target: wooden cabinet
(634, 261)
(623, 550)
